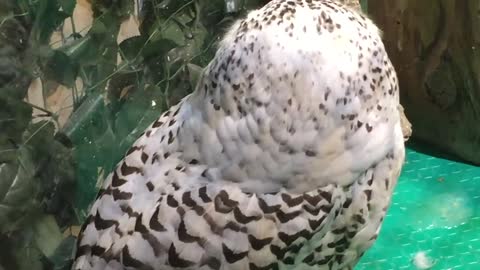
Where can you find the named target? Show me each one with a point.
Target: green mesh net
(435, 210)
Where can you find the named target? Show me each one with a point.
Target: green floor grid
(435, 209)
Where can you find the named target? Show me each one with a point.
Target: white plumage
(284, 157)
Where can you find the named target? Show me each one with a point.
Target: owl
(285, 156)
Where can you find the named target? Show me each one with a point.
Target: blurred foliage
(36, 165)
(49, 177)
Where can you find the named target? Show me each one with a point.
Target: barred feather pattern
(284, 157)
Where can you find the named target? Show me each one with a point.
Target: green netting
(436, 210)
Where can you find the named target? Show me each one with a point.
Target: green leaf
(54, 170)
(132, 111)
(154, 55)
(7, 174)
(119, 8)
(47, 235)
(211, 12)
(62, 258)
(29, 258)
(18, 202)
(89, 116)
(158, 48)
(87, 123)
(129, 48)
(99, 28)
(39, 135)
(15, 115)
(78, 48)
(59, 67)
(47, 18)
(67, 5)
(42, 164)
(167, 8)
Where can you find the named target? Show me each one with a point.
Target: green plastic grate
(436, 210)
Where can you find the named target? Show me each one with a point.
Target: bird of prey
(285, 156)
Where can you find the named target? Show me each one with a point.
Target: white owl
(284, 157)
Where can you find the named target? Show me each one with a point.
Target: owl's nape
(284, 157)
